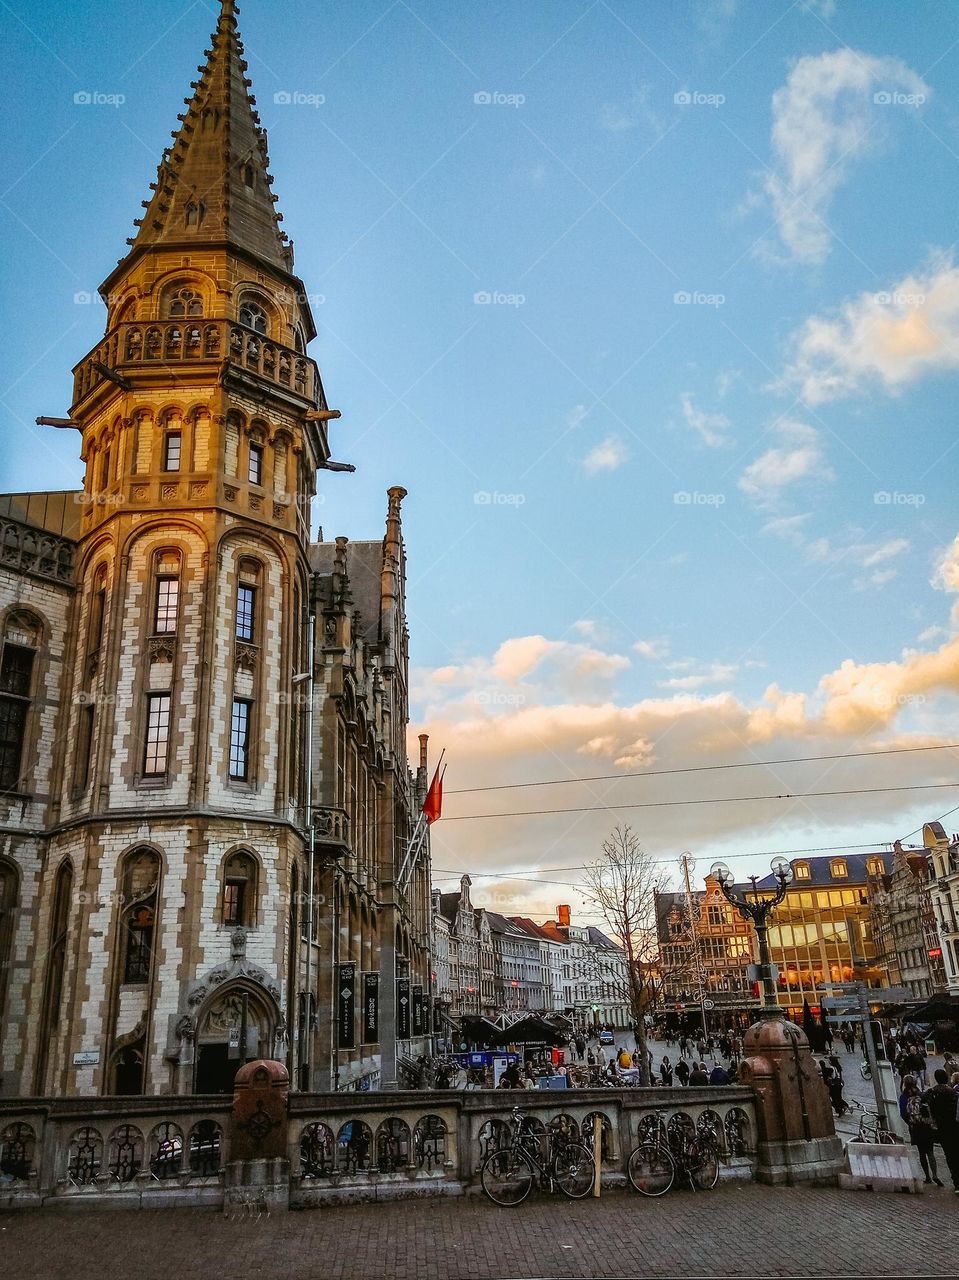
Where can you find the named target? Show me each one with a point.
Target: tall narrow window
(58, 939)
(172, 443)
(246, 612)
(141, 878)
(239, 890)
(16, 675)
(81, 775)
(256, 464)
(105, 470)
(167, 598)
(157, 735)
(240, 739)
(97, 611)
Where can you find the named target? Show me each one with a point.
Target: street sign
(86, 1058)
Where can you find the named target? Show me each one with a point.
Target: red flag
(433, 805)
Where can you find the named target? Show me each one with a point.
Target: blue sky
(630, 514)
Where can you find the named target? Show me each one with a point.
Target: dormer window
(253, 316)
(876, 867)
(193, 215)
(801, 870)
(838, 869)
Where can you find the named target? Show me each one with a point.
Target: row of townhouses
(486, 964)
(887, 919)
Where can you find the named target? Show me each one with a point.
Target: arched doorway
(237, 1024)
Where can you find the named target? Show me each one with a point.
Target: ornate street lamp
(756, 904)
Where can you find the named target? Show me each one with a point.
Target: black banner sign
(346, 1006)
(419, 1020)
(371, 1008)
(403, 1008)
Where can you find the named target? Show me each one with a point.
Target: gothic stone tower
(176, 826)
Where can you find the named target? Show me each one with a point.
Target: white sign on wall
(86, 1058)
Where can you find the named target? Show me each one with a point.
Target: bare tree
(623, 885)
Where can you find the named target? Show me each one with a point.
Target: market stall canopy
(531, 1030)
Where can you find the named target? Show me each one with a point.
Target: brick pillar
(258, 1173)
(797, 1139)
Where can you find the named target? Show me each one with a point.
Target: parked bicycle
(872, 1128)
(668, 1152)
(510, 1172)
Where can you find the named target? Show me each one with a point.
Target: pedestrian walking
(943, 1106)
(580, 1048)
(682, 1072)
(922, 1133)
(665, 1072)
(699, 1075)
(719, 1075)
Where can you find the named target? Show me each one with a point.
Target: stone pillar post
(797, 1139)
(258, 1173)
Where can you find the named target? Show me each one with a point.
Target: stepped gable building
(154, 679)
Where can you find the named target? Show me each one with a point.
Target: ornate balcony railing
(174, 345)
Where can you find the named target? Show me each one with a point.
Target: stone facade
(156, 677)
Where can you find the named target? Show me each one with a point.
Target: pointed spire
(213, 183)
(391, 571)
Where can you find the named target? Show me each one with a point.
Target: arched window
(253, 316)
(249, 176)
(193, 214)
(183, 302)
(141, 882)
(21, 639)
(238, 906)
(246, 600)
(166, 592)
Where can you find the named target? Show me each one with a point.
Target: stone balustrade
(173, 344)
(150, 1152)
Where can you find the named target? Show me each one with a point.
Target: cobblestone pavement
(735, 1231)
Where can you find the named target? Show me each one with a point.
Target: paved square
(741, 1231)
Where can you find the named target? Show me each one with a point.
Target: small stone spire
(391, 574)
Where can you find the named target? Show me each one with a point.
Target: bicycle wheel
(651, 1169)
(573, 1170)
(703, 1165)
(507, 1177)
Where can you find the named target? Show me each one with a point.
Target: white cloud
(712, 428)
(824, 118)
(886, 339)
(946, 575)
(788, 527)
(800, 457)
(653, 650)
(855, 707)
(609, 455)
(717, 673)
